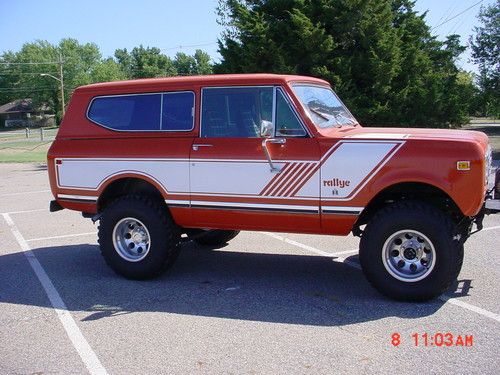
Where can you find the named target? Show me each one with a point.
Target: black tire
(216, 237)
(400, 228)
(148, 221)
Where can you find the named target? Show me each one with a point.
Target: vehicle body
(223, 153)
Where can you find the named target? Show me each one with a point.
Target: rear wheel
(138, 238)
(408, 251)
(216, 237)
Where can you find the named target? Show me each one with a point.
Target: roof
(214, 79)
(21, 106)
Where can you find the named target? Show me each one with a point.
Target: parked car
(208, 156)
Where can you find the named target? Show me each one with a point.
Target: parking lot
(264, 304)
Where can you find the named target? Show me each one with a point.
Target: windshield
(324, 107)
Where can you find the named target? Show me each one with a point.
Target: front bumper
(492, 201)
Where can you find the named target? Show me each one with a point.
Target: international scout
(159, 160)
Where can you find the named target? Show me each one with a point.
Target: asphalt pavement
(264, 304)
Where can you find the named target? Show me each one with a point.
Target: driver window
(287, 123)
(235, 111)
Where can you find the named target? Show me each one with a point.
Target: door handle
(197, 146)
(280, 141)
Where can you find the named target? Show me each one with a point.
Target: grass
(493, 133)
(16, 148)
(24, 151)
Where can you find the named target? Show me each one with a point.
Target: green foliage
(150, 62)
(83, 64)
(486, 53)
(378, 54)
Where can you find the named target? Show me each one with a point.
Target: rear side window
(178, 111)
(148, 112)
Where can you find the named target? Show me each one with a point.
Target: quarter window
(178, 111)
(149, 112)
(287, 123)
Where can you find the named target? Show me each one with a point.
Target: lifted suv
(208, 156)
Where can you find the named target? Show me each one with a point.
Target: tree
(486, 53)
(146, 62)
(20, 72)
(379, 55)
(82, 64)
(150, 62)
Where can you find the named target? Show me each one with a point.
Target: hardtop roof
(210, 80)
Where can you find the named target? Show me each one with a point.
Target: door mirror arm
(280, 141)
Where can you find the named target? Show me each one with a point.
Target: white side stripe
(77, 197)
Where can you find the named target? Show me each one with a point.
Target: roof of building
(21, 106)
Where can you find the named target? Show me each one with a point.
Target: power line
(4, 73)
(456, 15)
(29, 63)
(188, 46)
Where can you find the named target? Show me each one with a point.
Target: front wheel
(408, 251)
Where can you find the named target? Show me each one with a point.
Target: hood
(441, 135)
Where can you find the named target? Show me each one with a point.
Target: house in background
(21, 113)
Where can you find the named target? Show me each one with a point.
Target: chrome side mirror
(266, 129)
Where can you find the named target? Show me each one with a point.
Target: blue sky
(166, 24)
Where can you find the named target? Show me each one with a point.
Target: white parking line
(470, 307)
(443, 297)
(63, 236)
(81, 345)
(25, 192)
(335, 256)
(490, 228)
(26, 211)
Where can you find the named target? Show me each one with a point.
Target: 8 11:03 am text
(438, 339)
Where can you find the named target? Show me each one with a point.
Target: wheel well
(125, 186)
(414, 191)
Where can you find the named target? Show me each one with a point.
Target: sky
(171, 25)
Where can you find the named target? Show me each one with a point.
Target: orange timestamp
(437, 339)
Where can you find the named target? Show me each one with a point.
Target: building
(21, 113)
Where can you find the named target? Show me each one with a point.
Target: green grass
(24, 151)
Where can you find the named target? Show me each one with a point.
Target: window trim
(193, 111)
(292, 107)
(274, 109)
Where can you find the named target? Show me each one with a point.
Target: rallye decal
(338, 176)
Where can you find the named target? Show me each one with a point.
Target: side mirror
(266, 129)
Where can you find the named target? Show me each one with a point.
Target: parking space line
(25, 192)
(62, 236)
(79, 342)
(334, 256)
(444, 298)
(490, 228)
(25, 211)
(470, 307)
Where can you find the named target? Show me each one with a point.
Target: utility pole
(61, 80)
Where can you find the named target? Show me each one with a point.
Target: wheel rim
(131, 239)
(409, 255)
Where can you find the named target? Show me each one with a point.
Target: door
(239, 180)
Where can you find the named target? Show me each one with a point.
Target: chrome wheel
(131, 239)
(409, 255)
